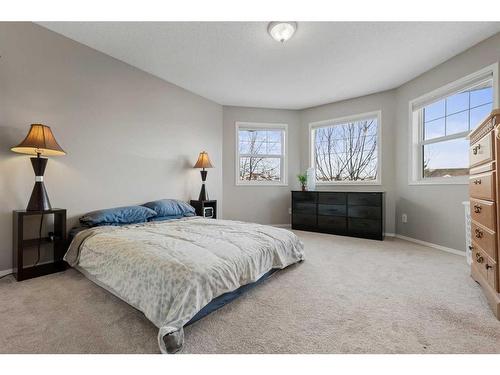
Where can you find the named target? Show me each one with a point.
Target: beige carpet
(349, 296)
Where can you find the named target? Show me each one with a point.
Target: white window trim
(284, 156)
(342, 120)
(415, 173)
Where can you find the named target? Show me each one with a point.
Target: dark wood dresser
(356, 214)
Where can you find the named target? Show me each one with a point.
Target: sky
(451, 116)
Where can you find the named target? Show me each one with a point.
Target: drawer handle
(477, 208)
(479, 258)
(476, 149)
(479, 233)
(476, 182)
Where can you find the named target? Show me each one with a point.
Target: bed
(177, 271)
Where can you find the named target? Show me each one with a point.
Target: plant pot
(304, 188)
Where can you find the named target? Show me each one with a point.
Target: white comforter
(171, 270)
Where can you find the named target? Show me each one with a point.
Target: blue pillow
(170, 207)
(118, 216)
(165, 218)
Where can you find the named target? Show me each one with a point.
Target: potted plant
(303, 180)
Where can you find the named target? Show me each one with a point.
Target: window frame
(416, 125)
(259, 126)
(342, 120)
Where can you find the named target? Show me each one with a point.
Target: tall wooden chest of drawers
(484, 156)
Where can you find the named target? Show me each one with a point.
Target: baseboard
(5, 272)
(390, 234)
(432, 245)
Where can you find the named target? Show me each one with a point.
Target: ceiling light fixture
(281, 31)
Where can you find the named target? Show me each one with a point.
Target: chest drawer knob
(478, 233)
(477, 208)
(477, 182)
(488, 266)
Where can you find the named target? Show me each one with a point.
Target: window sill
(353, 183)
(267, 184)
(447, 181)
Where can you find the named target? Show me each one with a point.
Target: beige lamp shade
(203, 161)
(39, 140)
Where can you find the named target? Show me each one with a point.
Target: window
(441, 124)
(346, 150)
(260, 154)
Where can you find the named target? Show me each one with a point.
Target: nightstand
(206, 209)
(26, 223)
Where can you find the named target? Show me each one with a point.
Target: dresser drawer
(485, 265)
(485, 238)
(305, 196)
(332, 198)
(364, 227)
(304, 208)
(332, 209)
(332, 224)
(483, 168)
(364, 212)
(364, 199)
(492, 275)
(481, 151)
(482, 186)
(483, 212)
(305, 222)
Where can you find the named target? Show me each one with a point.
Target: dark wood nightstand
(206, 209)
(56, 238)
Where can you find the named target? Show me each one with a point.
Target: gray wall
(130, 137)
(435, 212)
(385, 102)
(270, 204)
(260, 204)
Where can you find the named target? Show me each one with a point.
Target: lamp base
(39, 200)
(203, 192)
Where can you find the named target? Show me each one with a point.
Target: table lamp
(203, 162)
(39, 141)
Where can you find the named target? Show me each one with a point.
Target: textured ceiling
(238, 63)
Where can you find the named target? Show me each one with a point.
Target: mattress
(172, 270)
(226, 298)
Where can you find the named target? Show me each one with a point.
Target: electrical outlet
(289, 210)
(404, 218)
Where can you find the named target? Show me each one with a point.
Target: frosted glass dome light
(281, 31)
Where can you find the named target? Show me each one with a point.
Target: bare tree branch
(346, 152)
(255, 167)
